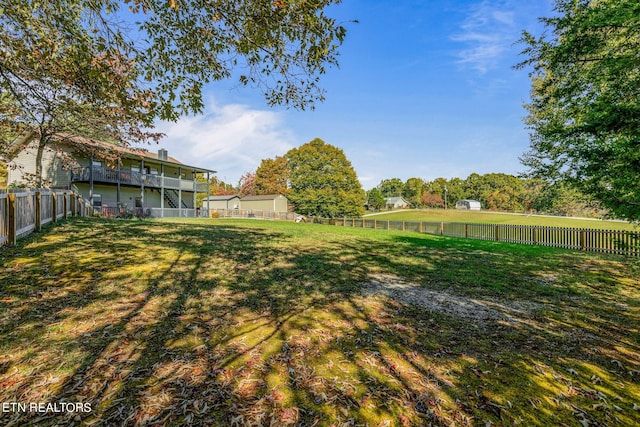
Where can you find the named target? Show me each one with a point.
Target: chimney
(163, 154)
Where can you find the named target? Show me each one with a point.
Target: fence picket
(605, 241)
(23, 212)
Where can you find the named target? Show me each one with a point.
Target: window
(138, 202)
(96, 164)
(97, 200)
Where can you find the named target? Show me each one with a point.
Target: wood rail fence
(606, 241)
(22, 213)
(253, 214)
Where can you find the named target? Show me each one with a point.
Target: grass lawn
(240, 322)
(487, 217)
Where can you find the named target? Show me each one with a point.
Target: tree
(561, 199)
(584, 113)
(412, 191)
(217, 187)
(431, 200)
(280, 47)
(391, 187)
(3, 174)
(272, 176)
(323, 182)
(78, 66)
(247, 184)
(57, 80)
(375, 199)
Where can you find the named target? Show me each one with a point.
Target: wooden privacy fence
(22, 213)
(607, 241)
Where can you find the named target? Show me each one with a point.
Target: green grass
(216, 322)
(487, 217)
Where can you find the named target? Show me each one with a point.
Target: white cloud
(488, 32)
(231, 139)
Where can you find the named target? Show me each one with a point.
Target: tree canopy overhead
(584, 112)
(108, 68)
(174, 47)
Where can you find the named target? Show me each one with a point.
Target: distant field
(485, 217)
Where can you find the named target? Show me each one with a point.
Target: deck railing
(127, 177)
(123, 212)
(253, 214)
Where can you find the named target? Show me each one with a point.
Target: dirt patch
(448, 303)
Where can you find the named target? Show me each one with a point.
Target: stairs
(171, 198)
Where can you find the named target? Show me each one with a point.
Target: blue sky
(424, 89)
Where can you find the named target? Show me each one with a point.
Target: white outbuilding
(468, 204)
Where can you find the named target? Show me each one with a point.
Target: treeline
(495, 191)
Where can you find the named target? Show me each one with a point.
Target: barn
(468, 204)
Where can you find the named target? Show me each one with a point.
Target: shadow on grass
(245, 323)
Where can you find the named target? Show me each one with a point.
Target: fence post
(466, 231)
(11, 199)
(65, 205)
(54, 207)
(497, 233)
(442, 228)
(403, 226)
(388, 225)
(420, 226)
(583, 240)
(38, 210)
(535, 235)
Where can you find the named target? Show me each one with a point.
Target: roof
(89, 144)
(221, 197)
(394, 200)
(263, 197)
(468, 200)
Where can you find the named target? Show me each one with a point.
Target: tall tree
(56, 79)
(280, 47)
(375, 199)
(247, 184)
(84, 67)
(412, 191)
(431, 200)
(323, 181)
(584, 112)
(391, 187)
(3, 174)
(218, 187)
(272, 176)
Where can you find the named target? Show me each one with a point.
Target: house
(396, 203)
(111, 177)
(228, 201)
(270, 202)
(468, 204)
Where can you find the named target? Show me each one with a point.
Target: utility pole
(445, 197)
